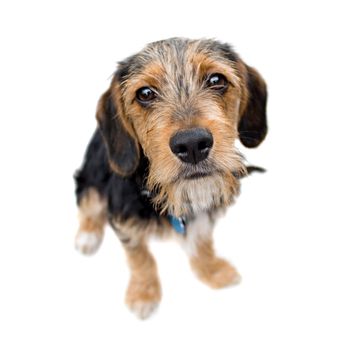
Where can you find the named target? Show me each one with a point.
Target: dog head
(183, 103)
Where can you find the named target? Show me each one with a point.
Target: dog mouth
(197, 175)
(197, 172)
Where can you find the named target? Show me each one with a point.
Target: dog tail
(255, 169)
(249, 170)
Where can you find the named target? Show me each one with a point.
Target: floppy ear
(252, 126)
(122, 146)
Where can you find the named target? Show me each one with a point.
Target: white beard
(189, 197)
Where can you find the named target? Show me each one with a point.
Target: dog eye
(217, 82)
(145, 95)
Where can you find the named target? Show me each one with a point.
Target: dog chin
(201, 192)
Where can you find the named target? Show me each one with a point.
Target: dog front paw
(143, 309)
(87, 242)
(217, 272)
(143, 297)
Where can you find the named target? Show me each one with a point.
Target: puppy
(163, 159)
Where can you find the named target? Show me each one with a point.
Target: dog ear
(252, 126)
(122, 146)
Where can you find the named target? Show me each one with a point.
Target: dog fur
(130, 176)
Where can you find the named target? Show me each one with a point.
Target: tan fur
(177, 110)
(210, 269)
(177, 70)
(92, 212)
(92, 217)
(115, 94)
(144, 292)
(132, 232)
(185, 197)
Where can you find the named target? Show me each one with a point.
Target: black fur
(95, 171)
(121, 147)
(125, 195)
(253, 124)
(111, 145)
(226, 50)
(124, 68)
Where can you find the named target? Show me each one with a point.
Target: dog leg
(93, 217)
(210, 269)
(144, 292)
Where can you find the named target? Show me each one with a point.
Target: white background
(288, 234)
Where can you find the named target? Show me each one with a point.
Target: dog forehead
(176, 57)
(180, 49)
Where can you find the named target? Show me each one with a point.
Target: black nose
(191, 145)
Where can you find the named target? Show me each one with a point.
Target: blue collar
(178, 224)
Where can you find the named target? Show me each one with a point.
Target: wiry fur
(178, 70)
(130, 166)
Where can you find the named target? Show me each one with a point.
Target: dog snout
(191, 145)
